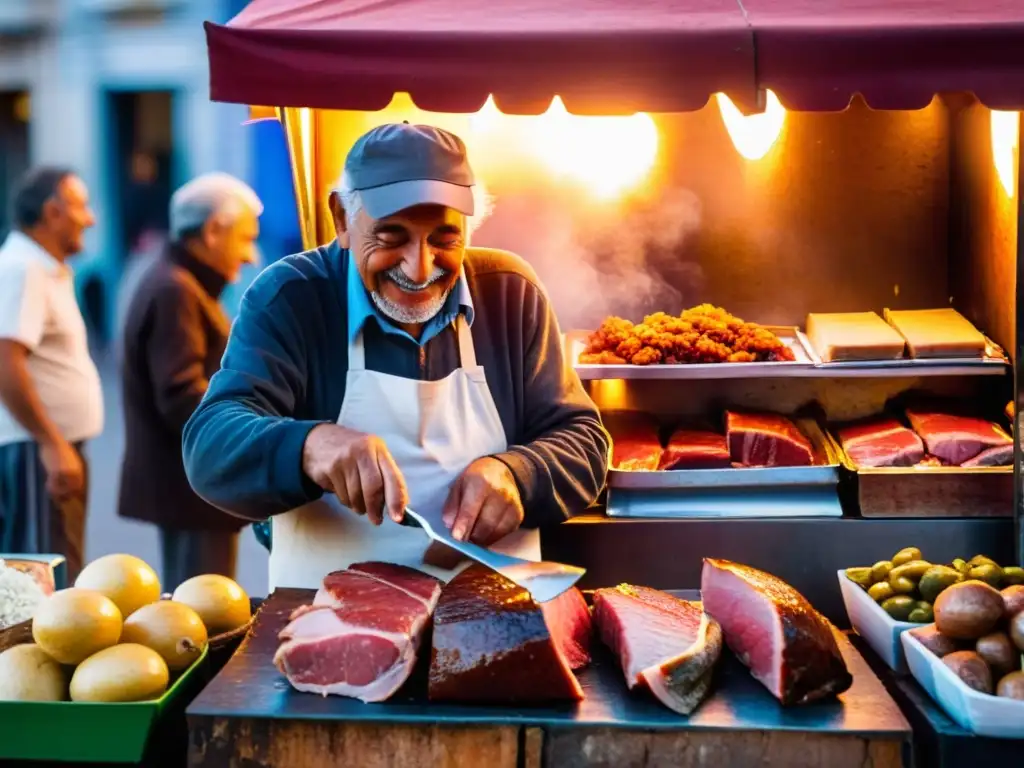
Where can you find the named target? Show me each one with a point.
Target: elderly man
(174, 336)
(51, 401)
(396, 366)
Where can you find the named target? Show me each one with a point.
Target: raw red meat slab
(881, 443)
(788, 646)
(493, 643)
(695, 449)
(766, 440)
(361, 635)
(1000, 456)
(636, 446)
(956, 439)
(666, 644)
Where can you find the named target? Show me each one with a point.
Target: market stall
(828, 173)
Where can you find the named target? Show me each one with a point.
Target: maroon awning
(601, 56)
(617, 56)
(816, 54)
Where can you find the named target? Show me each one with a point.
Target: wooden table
(249, 716)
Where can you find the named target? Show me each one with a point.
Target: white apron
(434, 430)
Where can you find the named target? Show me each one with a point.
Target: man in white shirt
(51, 401)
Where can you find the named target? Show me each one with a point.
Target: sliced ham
(362, 633)
(493, 643)
(667, 645)
(696, 449)
(881, 443)
(956, 439)
(766, 440)
(788, 646)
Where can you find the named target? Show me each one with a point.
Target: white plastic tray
(880, 630)
(976, 712)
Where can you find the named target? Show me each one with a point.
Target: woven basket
(16, 634)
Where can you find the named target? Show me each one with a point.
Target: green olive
(913, 570)
(860, 576)
(906, 555)
(961, 565)
(936, 579)
(1013, 574)
(880, 570)
(922, 614)
(899, 607)
(987, 572)
(981, 560)
(881, 591)
(901, 585)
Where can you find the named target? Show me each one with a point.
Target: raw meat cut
(788, 646)
(695, 449)
(955, 439)
(669, 645)
(999, 456)
(881, 443)
(766, 440)
(493, 643)
(937, 333)
(361, 635)
(636, 446)
(853, 336)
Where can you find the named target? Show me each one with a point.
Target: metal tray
(994, 362)
(735, 492)
(792, 337)
(928, 491)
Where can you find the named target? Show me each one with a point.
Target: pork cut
(362, 633)
(667, 645)
(788, 646)
(493, 643)
(766, 440)
(636, 446)
(999, 456)
(881, 443)
(695, 449)
(956, 439)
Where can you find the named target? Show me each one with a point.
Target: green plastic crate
(88, 732)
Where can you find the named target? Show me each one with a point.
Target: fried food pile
(704, 334)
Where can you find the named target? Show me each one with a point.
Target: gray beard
(405, 315)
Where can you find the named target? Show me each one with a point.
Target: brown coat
(174, 336)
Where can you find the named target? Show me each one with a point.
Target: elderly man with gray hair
(175, 333)
(397, 366)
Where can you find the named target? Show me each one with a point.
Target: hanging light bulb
(753, 135)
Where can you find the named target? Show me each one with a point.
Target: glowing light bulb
(1005, 128)
(753, 135)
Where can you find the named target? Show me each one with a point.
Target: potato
(1013, 599)
(1017, 631)
(999, 653)
(934, 641)
(968, 610)
(971, 668)
(1011, 686)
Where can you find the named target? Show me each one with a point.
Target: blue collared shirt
(362, 308)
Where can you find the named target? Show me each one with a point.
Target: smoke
(625, 258)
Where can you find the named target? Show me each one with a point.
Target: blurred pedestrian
(174, 335)
(51, 400)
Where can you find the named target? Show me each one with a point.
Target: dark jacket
(285, 372)
(174, 336)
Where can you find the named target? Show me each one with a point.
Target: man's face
(410, 261)
(232, 243)
(67, 215)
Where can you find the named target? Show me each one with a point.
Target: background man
(50, 395)
(174, 336)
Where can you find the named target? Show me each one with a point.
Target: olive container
(879, 630)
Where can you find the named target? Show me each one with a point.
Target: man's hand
(65, 472)
(484, 505)
(357, 468)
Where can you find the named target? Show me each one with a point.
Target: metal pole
(1018, 366)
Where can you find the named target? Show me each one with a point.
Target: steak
(696, 449)
(636, 446)
(493, 643)
(881, 443)
(788, 646)
(667, 645)
(1000, 456)
(361, 635)
(766, 440)
(956, 439)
